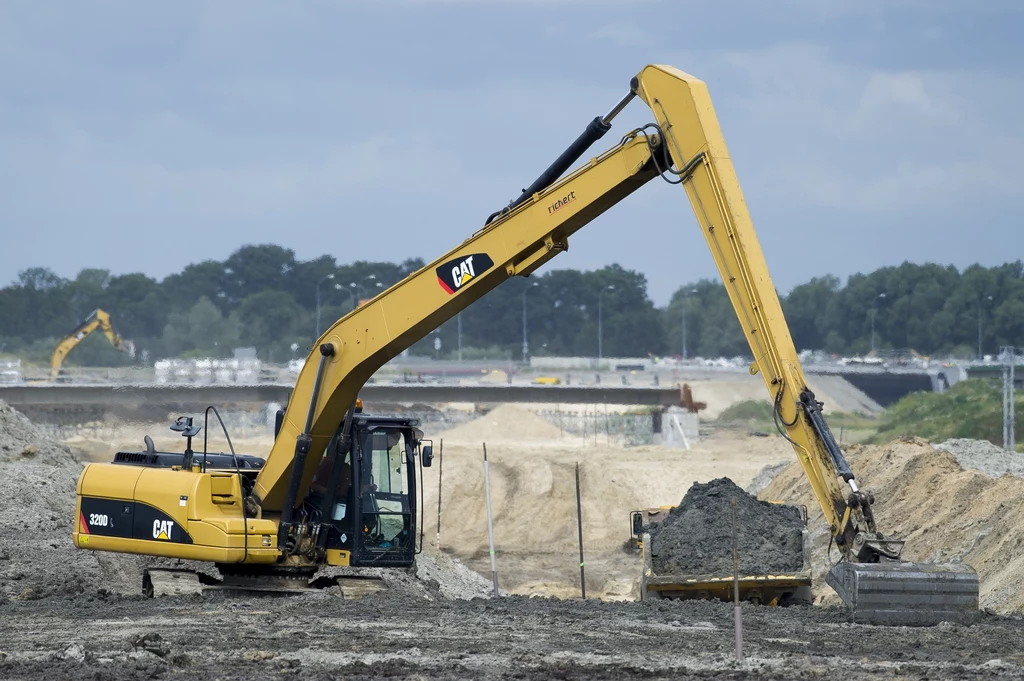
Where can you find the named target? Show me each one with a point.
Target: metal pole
(684, 327)
(1006, 396)
(440, 467)
(600, 350)
(490, 523)
(318, 308)
(872, 329)
(1011, 428)
(525, 346)
(458, 322)
(579, 528)
(738, 620)
(979, 328)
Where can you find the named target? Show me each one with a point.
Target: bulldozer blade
(907, 594)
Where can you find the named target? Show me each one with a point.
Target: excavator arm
(97, 319)
(685, 146)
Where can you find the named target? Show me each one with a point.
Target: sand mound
(697, 535)
(984, 456)
(20, 440)
(38, 476)
(944, 512)
(506, 423)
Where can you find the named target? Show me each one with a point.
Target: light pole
(526, 345)
(329, 276)
(600, 330)
(686, 297)
(979, 323)
(458, 325)
(873, 311)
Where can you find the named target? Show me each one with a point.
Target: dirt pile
(20, 440)
(984, 456)
(38, 476)
(944, 513)
(506, 423)
(697, 535)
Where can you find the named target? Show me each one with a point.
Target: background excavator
(97, 319)
(284, 517)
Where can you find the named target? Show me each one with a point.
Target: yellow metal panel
(216, 554)
(109, 481)
(337, 557)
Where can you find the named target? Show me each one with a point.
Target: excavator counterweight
(275, 515)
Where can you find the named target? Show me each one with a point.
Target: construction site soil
(696, 537)
(71, 614)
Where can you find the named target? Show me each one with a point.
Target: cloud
(844, 135)
(625, 34)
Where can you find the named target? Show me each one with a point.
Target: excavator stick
(907, 594)
(872, 582)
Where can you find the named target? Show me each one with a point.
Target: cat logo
(455, 274)
(162, 529)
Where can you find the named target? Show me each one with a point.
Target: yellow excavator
(338, 487)
(97, 319)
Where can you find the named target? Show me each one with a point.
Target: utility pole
(686, 298)
(873, 311)
(600, 330)
(980, 355)
(526, 345)
(1009, 356)
(337, 286)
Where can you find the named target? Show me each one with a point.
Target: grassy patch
(970, 409)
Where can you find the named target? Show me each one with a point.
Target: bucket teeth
(909, 594)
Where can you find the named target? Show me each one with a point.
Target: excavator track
(178, 582)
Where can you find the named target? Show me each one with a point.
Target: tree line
(263, 296)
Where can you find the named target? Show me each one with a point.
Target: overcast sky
(140, 136)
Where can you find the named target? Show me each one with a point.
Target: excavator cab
(368, 490)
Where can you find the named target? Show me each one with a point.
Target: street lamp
(337, 286)
(600, 330)
(979, 323)
(526, 345)
(686, 297)
(873, 311)
(458, 324)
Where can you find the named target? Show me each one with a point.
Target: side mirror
(428, 455)
(638, 523)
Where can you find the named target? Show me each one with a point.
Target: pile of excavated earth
(38, 559)
(697, 536)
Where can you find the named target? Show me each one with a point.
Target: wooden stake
(579, 527)
(490, 524)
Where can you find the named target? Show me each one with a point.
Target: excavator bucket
(907, 594)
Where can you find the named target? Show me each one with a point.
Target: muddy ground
(517, 637)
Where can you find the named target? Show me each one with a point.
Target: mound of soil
(944, 512)
(697, 535)
(20, 440)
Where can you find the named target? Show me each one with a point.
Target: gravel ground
(982, 455)
(386, 636)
